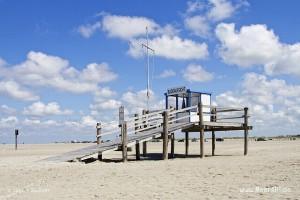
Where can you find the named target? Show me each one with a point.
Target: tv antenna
(148, 48)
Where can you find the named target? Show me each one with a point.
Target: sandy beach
(270, 171)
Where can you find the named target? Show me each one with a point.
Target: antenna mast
(148, 66)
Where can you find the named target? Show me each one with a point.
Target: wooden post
(245, 131)
(186, 143)
(145, 143)
(165, 135)
(137, 144)
(172, 145)
(124, 141)
(201, 125)
(213, 136)
(16, 138)
(98, 127)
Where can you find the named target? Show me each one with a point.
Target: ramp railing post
(165, 135)
(213, 136)
(245, 131)
(201, 125)
(98, 127)
(124, 141)
(137, 144)
(145, 143)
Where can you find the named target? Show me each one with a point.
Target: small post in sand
(165, 135)
(137, 144)
(98, 127)
(172, 145)
(245, 131)
(16, 138)
(201, 125)
(124, 141)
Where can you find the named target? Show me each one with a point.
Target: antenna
(148, 66)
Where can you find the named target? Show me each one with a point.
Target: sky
(65, 65)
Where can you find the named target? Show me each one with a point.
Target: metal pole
(16, 138)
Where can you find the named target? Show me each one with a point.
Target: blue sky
(66, 64)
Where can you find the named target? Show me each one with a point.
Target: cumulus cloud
(221, 9)
(171, 47)
(198, 25)
(88, 30)
(41, 69)
(14, 90)
(257, 45)
(167, 73)
(271, 102)
(127, 27)
(7, 110)
(196, 73)
(10, 121)
(41, 109)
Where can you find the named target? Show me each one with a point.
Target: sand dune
(270, 171)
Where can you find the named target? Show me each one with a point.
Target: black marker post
(16, 138)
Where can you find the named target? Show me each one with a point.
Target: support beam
(137, 144)
(124, 141)
(213, 136)
(200, 113)
(186, 143)
(145, 143)
(245, 131)
(165, 135)
(213, 143)
(16, 138)
(98, 136)
(172, 145)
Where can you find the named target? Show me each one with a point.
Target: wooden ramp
(84, 153)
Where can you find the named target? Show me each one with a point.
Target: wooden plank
(137, 145)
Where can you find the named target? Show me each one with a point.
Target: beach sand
(270, 171)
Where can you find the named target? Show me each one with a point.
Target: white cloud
(14, 90)
(7, 110)
(198, 25)
(271, 102)
(256, 45)
(193, 6)
(41, 109)
(10, 121)
(221, 9)
(107, 104)
(167, 73)
(88, 30)
(88, 121)
(135, 102)
(41, 69)
(196, 73)
(171, 47)
(129, 27)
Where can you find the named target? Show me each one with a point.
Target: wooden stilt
(245, 131)
(145, 143)
(137, 144)
(213, 143)
(124, 141)
(98, 127)
(186, 143)
(200, 113)
(165, 135)
(172, 145)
